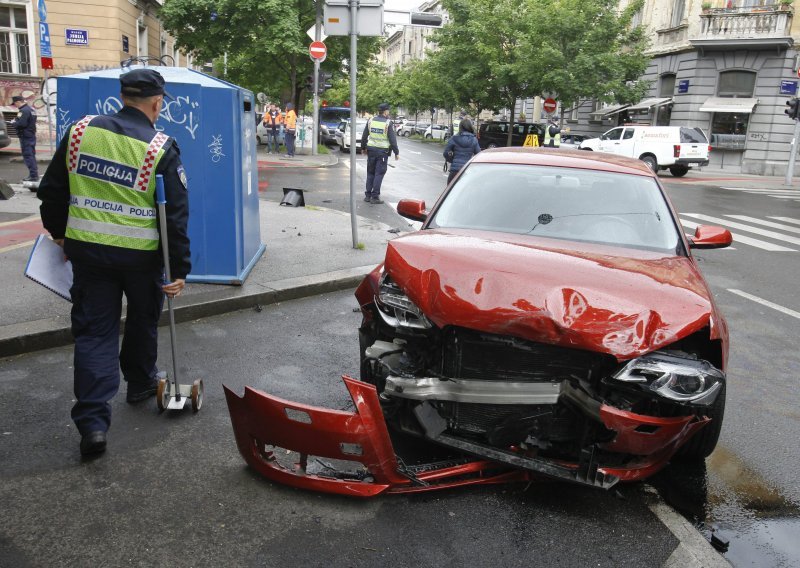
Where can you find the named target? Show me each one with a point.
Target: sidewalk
(309, 251)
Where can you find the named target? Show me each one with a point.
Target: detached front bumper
(269, 430)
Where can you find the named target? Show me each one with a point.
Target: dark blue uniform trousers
(377, 163)
(28, 146)
(97, 305)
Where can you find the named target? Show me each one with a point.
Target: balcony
(752, 27)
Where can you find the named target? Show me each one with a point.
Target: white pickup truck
(676, 148)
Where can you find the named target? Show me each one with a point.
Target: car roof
(566, 158)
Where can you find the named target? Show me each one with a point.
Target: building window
(729, 129)
(142, 42)
(15, 52)
(666, 88)
(573, 115)
(678, 8)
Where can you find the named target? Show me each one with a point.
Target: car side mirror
(710, 237)
(413, 209)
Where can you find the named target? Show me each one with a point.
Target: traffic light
(792, 108)
(309, 82)
(426, 19)
(323, 84)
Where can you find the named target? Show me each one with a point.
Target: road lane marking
(787, 220)
(737, 238)
(765, 223)
(756, 190)
(743, 227)
(763, 302)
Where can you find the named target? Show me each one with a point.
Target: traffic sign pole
(315, 118)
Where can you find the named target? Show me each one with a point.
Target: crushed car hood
(620, 301)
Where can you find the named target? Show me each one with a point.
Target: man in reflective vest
(379, 140)
(552, 134)
(98, 203)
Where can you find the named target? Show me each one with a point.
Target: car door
(625, 147)
(610, 140)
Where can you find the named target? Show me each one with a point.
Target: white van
(676, 148)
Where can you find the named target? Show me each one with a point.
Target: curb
(25, 337)
(693, 550)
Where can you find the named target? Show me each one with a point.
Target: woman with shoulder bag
(461, 147)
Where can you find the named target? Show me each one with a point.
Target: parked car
(437, 132)
(548, 319)
(407, 128)
(572, 140)
(421, 127)
(495, 134)
(343, 134)
(5, 140)
(676, 148)
(329, 120)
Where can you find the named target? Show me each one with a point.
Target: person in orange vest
(290, 121)
(272, 122)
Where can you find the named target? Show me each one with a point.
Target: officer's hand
(59, 242)
(174, 288)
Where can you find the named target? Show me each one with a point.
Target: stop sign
(317, 50)
(550, 105)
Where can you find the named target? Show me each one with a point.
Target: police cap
(17, 98)
(383, 106)
(142, 83)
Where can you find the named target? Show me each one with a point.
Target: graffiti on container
(181, 112)
(109, 106)
(216, 148)
(64, 121)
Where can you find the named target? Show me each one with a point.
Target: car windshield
(560, 203)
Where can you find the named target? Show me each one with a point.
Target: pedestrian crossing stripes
(788, 194)
(752, 225)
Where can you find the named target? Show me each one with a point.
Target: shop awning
(607, 111)
(729, 104)
(647, 104)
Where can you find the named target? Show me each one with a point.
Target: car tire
(258, 139)
(651, 162)
(586, 149)
(428, 136)
(703, 442)
(342, 148)
(678, 171)
(406, 134)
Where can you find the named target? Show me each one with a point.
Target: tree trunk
(511, 120)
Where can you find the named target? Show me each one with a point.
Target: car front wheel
(428, 136)
(651, 162)
(703, 442)
(258, 140)
(678, 171)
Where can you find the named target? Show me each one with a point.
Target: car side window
(629, 132)
(613, 134)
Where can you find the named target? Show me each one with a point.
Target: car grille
(482, 418)
(473, 355)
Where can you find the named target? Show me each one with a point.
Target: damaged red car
(548, 319)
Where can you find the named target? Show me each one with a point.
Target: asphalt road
(748, 488)
(172, 489)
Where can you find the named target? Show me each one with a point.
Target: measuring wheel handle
(197, 395)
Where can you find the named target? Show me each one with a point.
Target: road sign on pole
(549, 105)
(317, 50)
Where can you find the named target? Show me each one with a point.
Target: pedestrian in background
(272, 122)
(290, 123)
(379, 141)
(98, 203)
(552, 134)
(461, 147)
(25, 123)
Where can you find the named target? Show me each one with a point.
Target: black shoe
(93, 443)
(137, 393)
(31, 178)
(367, 198)
(376, 201)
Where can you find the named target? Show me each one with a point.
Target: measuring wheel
(197, 394)
(163, 393)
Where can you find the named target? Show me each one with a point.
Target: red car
(548, 319)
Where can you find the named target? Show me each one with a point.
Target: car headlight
(396, 309)
(676, 378)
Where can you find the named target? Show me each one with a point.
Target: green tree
(265, 41)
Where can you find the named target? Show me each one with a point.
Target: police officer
(552, 134)
(98, 203)
(379, 140)
(25, 123)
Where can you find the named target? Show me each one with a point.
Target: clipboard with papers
(47, 266)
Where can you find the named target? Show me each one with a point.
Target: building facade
(85, 35)
(726, 66)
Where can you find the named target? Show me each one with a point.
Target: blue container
(214, 123)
